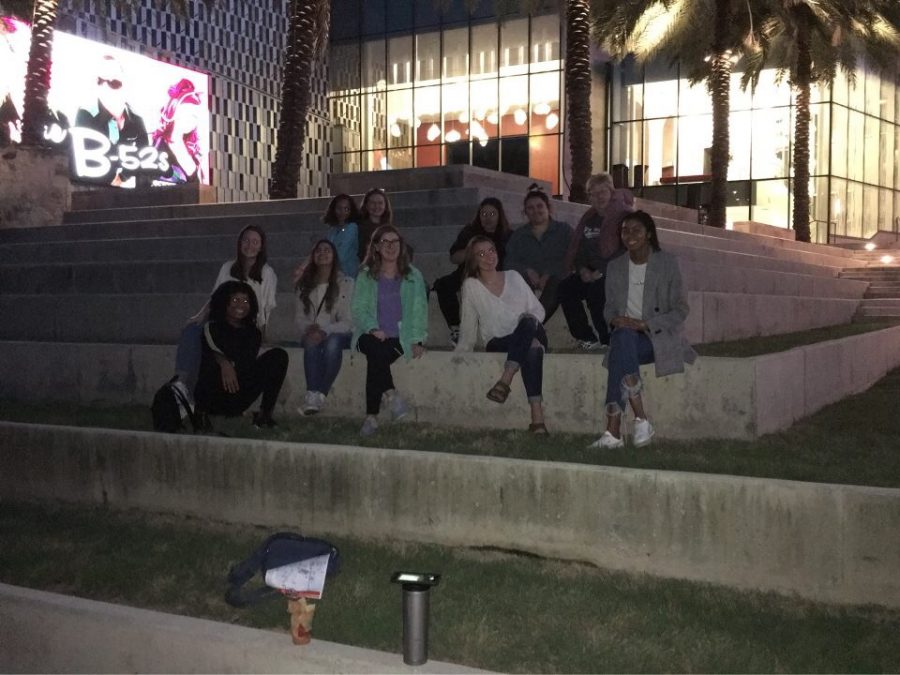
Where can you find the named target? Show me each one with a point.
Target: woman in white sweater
(504, 311)
(323, 317)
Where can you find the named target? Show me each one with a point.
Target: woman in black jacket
(232, 372)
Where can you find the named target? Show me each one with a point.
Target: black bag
(278, 550)
(170, 407)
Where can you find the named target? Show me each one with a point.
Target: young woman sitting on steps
(250, 267)
(324, 320)
(390, 318)
(232, 372)
(504, 310)
(645, 307)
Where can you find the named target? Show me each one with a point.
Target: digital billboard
(126, 119)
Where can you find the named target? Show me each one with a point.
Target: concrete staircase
(882, 296)
(134, 275)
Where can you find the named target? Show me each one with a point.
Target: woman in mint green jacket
(390, 320)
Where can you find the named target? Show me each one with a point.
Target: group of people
(358, 289)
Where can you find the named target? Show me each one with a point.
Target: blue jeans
(628, 350)
(521, 354)
(189, 354)
(322, 363)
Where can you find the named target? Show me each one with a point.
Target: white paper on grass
(306, 577)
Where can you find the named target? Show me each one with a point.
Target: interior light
(870, 246)
(417, 123)
(395, 130)
(493, 118)
(463, 118)
(520, 116)
(541, 108)
(433, 132)
(452, 136)
(551, 121)
(887, 259)
(478, 114)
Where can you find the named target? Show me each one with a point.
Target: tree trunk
(296, 96)
(719, 90)
(37, 78)
(578, 95)
(800, 215)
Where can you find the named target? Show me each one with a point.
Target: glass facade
(660, 130)
(412, 87)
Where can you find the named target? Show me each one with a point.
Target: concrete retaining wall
(836, 543)
(714, 398)
(50, 633)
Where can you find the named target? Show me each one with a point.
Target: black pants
(265, 377)
(447, 290)
(573, 293)
(550, 297)
(380, 354)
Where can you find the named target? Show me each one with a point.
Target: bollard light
(416, 587)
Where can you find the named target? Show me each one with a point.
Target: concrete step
(297, 242)
(306, 206)
(158, 318)
(879, 307)
(882, 292)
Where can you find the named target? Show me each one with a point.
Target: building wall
(240, 44)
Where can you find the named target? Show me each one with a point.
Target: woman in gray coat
(645, 308)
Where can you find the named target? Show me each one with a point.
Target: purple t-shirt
(390, 309)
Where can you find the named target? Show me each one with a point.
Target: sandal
(539, 428)
(499, 392)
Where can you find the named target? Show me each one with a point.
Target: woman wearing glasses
(390, 319)
(505, 312)
(490, 221)
(232, 372)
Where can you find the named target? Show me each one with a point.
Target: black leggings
(265, 377)
(380, 354)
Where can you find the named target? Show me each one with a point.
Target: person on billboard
(178, 137)
(108, 135)
(10, 119)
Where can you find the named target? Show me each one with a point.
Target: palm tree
(37, 77)
(578, 95)
(673, 29)
(810, 39)
(308, 29)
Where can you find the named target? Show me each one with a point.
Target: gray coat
(665, 308)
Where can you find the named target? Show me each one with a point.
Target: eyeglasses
(389, 243)
(238, 300)
(487, 251)
(112, 84)
(488, 214)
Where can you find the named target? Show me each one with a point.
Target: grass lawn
(492, 610)
(854, 441)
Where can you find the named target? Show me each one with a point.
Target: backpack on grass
(171, 406)
(279, 550)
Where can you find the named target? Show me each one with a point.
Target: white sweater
(338, 320)
(265, 291)
(490, 316)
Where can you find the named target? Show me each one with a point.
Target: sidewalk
(52, 633)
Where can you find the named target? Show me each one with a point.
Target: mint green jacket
(413, 303)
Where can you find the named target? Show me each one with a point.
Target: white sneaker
(311, 403)
(607, 440)
(590, 345)
(369, 427)
(643, 432)
(397, 404)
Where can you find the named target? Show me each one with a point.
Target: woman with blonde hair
(504, 311)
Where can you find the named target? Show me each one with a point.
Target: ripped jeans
(628, 351)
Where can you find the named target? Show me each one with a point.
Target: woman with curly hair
(232, 372)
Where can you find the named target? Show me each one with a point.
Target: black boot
(263, 420)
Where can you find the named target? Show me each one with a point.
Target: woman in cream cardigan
(502, 308)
